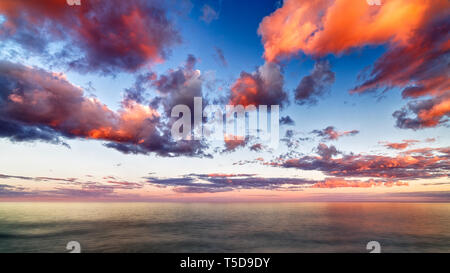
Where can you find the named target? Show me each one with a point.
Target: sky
(86, 94)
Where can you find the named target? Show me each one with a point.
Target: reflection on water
(201, 227)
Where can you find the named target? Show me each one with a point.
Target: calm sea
(236, 227)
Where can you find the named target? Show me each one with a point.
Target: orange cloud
(320, 27)
(342, 183)
(40, 105)
(416, 33)
(413, 164)
(107, 36)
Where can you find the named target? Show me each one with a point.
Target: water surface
(235, 227)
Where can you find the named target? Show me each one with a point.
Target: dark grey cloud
(315, 85)
(204, 183)
(136, 93)
(330, 133)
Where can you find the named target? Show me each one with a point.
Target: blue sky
(233, 30)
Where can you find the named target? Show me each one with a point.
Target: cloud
(436, 184)
(85, 192)
(293, 141)
(262, 87)
(400, 145)
(330, 133)
(326, 152)
(322, 27)
(12, 191)
(206, 183)
(342, 183)
(232, 143)
(111, 183)
(314, 85)
(208, 14)
(8, 191)
(193, 189)
(423, 164)
(225, 175)
(256, 147)
(125, 185)
(434, 196)
(136, 93)
(17, 132)
(419, 64)
(427, 151)
(287, 120)
(201, 183)
(415, 36)
(67, 188)
(5, 176)
(179, 86)
(34, 98)
(220, 56)
(98, 36)
(39, 178)
(428, 113)
(421, 68)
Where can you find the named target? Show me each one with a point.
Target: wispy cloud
(330, 133)
(209, 14)
(423, 164)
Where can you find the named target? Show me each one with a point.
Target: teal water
(235, 227)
